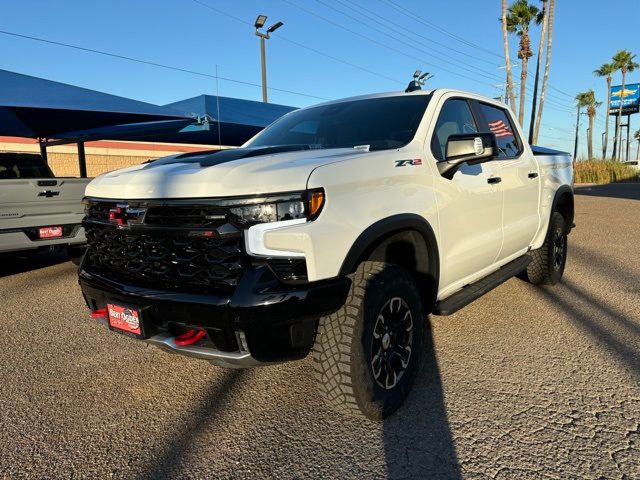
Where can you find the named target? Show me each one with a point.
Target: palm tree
(519, 18)
(505, 41)
(588, 100)
(637, 137)
(542, 18)
(550, 13)
(623, 61)
(606, 70)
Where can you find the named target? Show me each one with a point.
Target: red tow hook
(189, 337)
(102, 313)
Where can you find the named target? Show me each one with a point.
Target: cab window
(497, 121)
(22, 165)
(455, 118)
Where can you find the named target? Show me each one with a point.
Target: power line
(381, 44)
(153, 64)
(474, 70)
(298, 44)
(559, 107)
(377, 18)
(427, 23)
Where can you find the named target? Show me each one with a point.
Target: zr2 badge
(412, 163)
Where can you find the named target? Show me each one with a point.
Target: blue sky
(460, 41)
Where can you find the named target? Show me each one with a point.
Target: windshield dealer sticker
(413, 163)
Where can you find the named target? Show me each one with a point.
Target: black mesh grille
(202, 255)
(178, 216)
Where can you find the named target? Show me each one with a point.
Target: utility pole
(259, 23)
(575, 146)
(506, 84)
(628, 134)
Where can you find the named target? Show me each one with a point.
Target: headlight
(292, 206)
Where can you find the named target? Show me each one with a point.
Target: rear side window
(20, 165)
(498, 122)
(455, 118)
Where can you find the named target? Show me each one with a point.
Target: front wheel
(548, 262)
(368, 353)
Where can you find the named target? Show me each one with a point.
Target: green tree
(623, 61)
(606, 70)
(637, 137)
(588, 100)
(519, 17)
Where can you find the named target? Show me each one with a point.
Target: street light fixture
(274, 27)
(259, 23)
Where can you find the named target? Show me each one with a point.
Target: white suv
(335, 230)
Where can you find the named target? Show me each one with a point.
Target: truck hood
(243, 171)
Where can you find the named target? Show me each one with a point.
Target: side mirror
(469, 148)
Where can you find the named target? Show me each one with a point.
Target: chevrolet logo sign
(123, 215)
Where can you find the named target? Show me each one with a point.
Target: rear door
(469, 204)
(520, 180)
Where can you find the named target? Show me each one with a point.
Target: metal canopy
(57, 113)
(38, 108)
(238, 120)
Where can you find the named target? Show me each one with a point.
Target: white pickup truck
(335, 231)
(38, 210)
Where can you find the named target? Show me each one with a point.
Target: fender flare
(564, 189)
(386, 227)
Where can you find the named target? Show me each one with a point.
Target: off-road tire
(345, 341)
(543, 270)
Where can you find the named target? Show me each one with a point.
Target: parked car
(333, 232)
(38, 210)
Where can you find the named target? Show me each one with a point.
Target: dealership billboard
(630, 99)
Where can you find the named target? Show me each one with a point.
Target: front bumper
(263, 321)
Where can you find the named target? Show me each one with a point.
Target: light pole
(260, 21)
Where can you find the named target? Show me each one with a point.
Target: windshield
(381, 123)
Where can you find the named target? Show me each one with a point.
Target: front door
(469, 204)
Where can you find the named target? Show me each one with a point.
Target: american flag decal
(500, 129)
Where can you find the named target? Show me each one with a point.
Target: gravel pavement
(525, 383)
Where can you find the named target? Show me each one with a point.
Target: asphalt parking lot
(525, 383)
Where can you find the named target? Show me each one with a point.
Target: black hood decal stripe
(217, 157)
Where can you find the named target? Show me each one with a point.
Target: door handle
(493, 180)
(533, 175)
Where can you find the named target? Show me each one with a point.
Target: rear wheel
(548, 262)
(367, 354)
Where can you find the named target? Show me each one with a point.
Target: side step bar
(475, 290)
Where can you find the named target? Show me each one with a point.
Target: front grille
(175, 248)
(193, 216)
